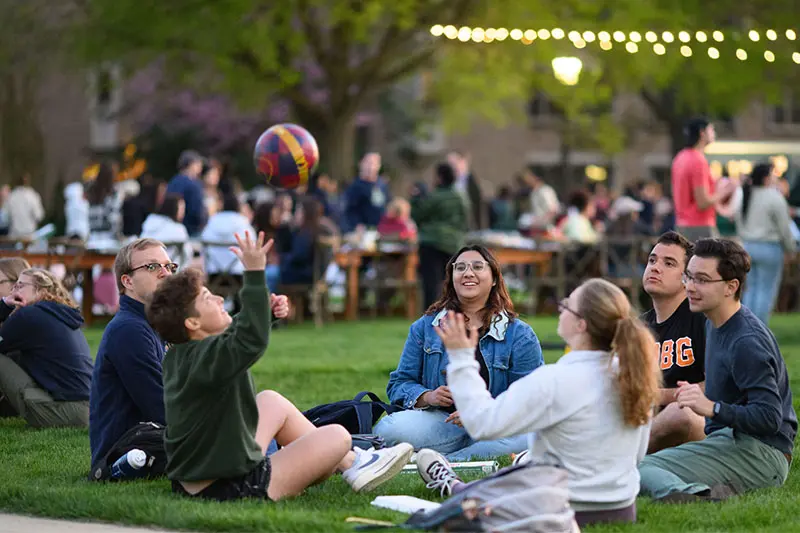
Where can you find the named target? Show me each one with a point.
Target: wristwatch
(717, 406)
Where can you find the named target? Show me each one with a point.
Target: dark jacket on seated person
(127, 384)
(52, 348)
(297, 264)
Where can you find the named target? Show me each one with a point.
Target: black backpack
(145, 436)
(355, 415)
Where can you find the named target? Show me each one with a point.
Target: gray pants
(693, 233)
(739, 461)
(24, 397)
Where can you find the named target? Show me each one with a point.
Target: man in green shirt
(218, 428)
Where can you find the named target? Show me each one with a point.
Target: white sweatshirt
(573, 406)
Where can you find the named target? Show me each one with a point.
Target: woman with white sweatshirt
(590, 411)
(166, 225)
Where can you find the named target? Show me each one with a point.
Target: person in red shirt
(397, 223)
(693, 189)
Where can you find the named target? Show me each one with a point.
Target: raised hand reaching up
(253, 255)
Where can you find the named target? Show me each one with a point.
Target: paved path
(25, 524)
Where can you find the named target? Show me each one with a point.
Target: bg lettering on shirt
(675, 352)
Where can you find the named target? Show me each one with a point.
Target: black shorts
(254, 484)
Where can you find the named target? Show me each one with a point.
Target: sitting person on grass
(508, 350)
(751, 423)
(218, 428)
(46, 371)
(681, 340)
(590, 411)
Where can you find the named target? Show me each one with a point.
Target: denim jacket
(510, 349)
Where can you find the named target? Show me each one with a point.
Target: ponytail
(757, 178)
(639, 377)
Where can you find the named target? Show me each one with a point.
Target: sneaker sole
(389, 473)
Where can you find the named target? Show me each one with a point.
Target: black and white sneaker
(373, 467)
(436, 472)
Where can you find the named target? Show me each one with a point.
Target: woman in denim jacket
(508, 350)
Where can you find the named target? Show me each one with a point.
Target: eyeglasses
(19, 284)
(476, 266)
(563, 305)
(156, 267)
(686, 278)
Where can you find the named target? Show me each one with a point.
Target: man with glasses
(681, 339)
(747, 402)
(127, 383)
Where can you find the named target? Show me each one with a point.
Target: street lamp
(567, 70)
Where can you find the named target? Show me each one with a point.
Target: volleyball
(286, 155)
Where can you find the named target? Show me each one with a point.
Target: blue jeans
(273, 274)
(764, 279)
(428, 429)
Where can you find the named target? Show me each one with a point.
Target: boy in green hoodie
(218, 428)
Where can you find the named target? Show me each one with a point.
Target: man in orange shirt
(693, 190)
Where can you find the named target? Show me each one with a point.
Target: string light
(606, 45)
(659, 49)
(530, 35)
(619, 36)
(796, 57)
(544, 34)
(437, 30)
(491, 33)
(686, 51)
(753, 35)
(604, 36)
(464, 34)
(557, 33)
(478, 35)
(791, 35)
(718, 36)
(684, 36)
(701, 36)
(450, 32)
(713, 53)
(651, 36)
(588, 36)
(580, 43)
(635, 36)
(772, 35)
(631, 47)
(501, 34)
(667, 37)
(741, 54)
(516, 34)
(574, 35)
(769, 56)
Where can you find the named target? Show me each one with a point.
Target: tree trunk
(337, 148)
(677, 135)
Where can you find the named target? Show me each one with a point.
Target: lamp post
(567, 70)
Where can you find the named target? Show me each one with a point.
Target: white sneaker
(373, 467)
(436, 472)
(521, 458)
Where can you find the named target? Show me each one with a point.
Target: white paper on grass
(404, 504)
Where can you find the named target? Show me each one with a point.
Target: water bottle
(128, 465)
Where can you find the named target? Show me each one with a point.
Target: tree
(325, 58)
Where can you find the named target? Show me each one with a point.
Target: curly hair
(612, 327)
(172, 303)
(48, 287)
(499, 299)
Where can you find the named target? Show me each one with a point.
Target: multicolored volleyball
(286, 155)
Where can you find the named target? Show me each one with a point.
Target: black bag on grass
(145, 436)
(357, 416)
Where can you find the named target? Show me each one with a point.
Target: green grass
(43, 472)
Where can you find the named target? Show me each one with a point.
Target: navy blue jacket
(127, 386)
(746, 374)
(51, 348)
(365, 202)
(192, 192)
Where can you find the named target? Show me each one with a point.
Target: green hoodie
(441, 219)
(209, 395)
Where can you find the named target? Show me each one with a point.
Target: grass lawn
(43, 472)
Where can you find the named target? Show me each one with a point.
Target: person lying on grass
(218, 428)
